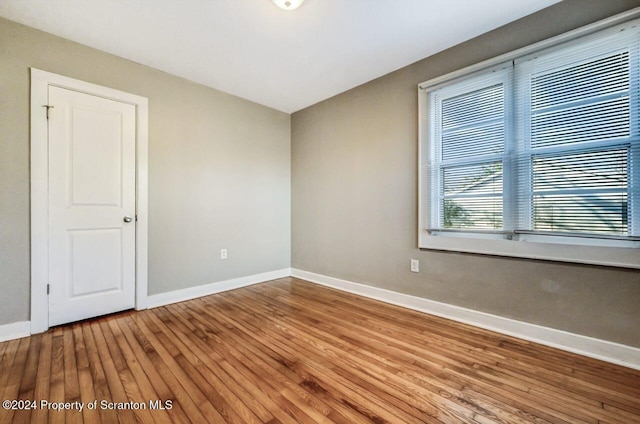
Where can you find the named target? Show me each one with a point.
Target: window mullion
(521, 158)
(633, 206)
(509, 164)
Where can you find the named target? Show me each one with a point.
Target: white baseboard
(167, 298)
(594, 348)
(16, 330)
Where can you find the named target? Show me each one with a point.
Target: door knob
(127, 219)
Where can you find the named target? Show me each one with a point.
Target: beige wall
(219, 170)
(354, 201)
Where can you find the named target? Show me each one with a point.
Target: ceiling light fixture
(288, 4)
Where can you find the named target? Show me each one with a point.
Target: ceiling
(286, 60)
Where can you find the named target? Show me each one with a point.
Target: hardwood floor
(289, 351)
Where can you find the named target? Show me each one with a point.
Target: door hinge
(48, 107)
(136, 218)
(47, 288)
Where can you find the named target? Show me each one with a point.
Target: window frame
(596, 250)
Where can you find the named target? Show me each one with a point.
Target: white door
(91, 206)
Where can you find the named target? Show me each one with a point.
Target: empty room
(320, 211)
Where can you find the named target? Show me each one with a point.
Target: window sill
(607, 253)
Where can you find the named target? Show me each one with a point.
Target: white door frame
(40, 82)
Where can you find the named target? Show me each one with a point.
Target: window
(468, 145)
(541, 147)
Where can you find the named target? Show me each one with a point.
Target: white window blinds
(548, 144)
(469, 146)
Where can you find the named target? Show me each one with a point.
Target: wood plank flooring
(289, 351)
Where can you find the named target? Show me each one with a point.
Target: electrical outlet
(415, 265)
(223, 253)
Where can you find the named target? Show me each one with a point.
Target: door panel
(88, 275)
(91, 190)
(96, 151)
